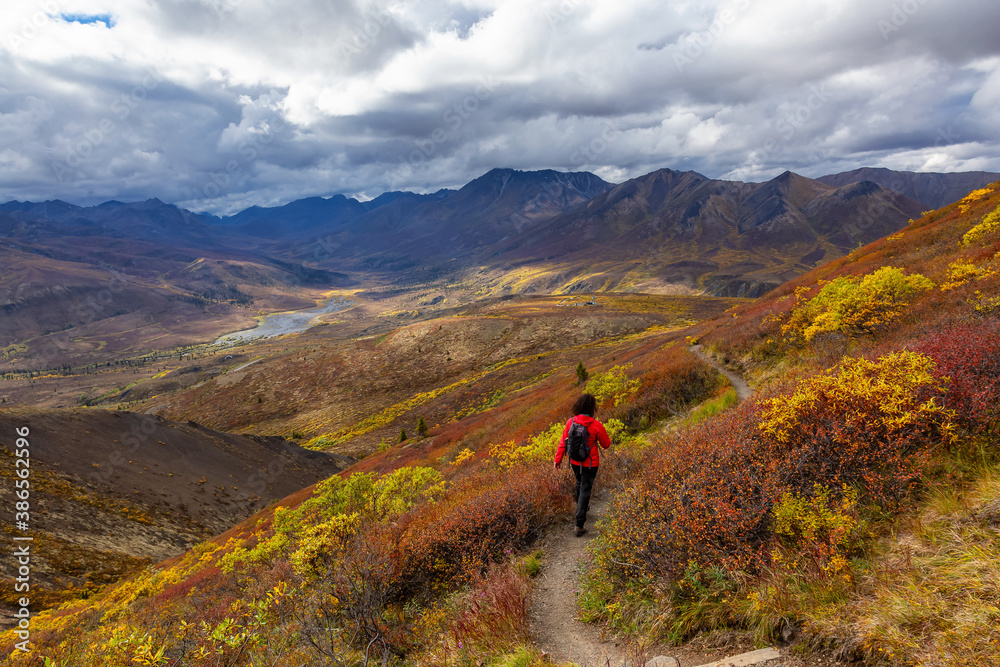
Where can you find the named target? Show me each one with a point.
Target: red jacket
(598, 435)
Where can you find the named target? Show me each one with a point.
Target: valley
(396, 431)
(85, 285)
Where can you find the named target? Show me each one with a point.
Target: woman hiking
(586, 469)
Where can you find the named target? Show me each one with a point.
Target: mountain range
(931, 189)
(153, 271)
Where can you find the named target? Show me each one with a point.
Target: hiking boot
(580, 530)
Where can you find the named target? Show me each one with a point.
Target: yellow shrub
(321, 542)
(973, 197)
(961, 272)
(888, 385)
(328, 513)
(463, 456)
(989, 225)
(821, 528)
(542, 447)
(612, 385)
(855, 305)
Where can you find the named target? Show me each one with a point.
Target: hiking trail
(553, 613)
(743, 391)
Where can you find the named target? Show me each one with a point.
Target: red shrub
(706, 497)
(969, 355)
(680, 381)
(495, 609)
(490, 513)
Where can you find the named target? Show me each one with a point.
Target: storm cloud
(221, 104)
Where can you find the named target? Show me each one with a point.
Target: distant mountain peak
(932, 189)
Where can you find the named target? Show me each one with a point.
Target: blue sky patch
(89, 18)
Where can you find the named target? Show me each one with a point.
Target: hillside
(121, 280)
(728, 238)
(854, 514)
(362, 391)
(114, 491)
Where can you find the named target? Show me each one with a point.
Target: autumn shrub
(853, 305)
(667, 391)
(491, 616)
(707, 497)
(492, 512)
(613, 387)
(866, 423)
(327, 520)
(349, 600)
(988, 227)
(538, 448)
(967, 359)
(819, 532)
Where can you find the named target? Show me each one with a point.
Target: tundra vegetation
(853, 501)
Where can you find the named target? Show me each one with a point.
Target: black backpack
(578, 442)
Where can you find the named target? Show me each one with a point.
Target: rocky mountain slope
(137, 273)
(728, 237)
(932, 190)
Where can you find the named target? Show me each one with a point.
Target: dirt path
(553, 606)
(553, 613)
(743, 391)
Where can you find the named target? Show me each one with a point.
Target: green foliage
(402, 435)
(320, 442)
(531, 564)
(700, 600)
(403, 489)
(855, 305)
(713, 406)
(327, 520)
(616, 430)
(421, 427)
(613, 386)
(581, 373)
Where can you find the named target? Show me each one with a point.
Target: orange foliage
(706, 497)
(490, 513)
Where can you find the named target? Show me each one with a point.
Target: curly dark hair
(585, 405)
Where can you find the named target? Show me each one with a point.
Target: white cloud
(258, 101)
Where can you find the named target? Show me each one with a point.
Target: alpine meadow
(297, 303)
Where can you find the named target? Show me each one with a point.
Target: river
(279, 324)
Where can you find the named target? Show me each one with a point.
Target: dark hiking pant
(584, 485)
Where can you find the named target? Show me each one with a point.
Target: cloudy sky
(220, 104)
